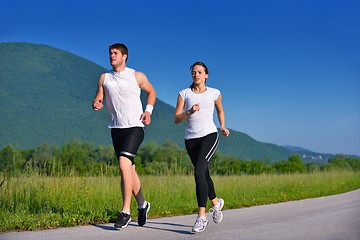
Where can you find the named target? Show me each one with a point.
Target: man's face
(116, 57)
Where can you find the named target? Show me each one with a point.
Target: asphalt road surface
(327, 218)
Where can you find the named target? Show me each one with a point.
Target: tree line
(77, 158)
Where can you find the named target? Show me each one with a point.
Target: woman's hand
(225, 131)
(194, 108)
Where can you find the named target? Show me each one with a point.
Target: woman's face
(199, 75)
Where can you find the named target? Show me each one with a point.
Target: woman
(196, 105)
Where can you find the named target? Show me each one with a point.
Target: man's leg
(143, 205)
(126, 172)
(124, 217)
(136, 187)
(126, 143)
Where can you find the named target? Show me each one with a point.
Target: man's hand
(145, 118)
(97, 105)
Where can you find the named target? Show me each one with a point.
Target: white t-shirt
(200, 123)
(122, 94)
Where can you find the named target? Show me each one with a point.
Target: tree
(342, 162)
(7, 163)
(105, 154)
(43, 159)
(146, 151)
(76, 157)
(292, 165)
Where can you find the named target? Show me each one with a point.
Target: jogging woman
(196, 105)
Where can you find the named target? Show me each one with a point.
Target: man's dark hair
(122, 48)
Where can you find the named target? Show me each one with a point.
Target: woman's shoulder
(213, 90)
(185, 93)
(185, 90)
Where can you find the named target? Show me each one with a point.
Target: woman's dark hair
(200, 64)
(122, 48)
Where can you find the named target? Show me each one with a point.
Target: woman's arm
(179, 114)
(221, 116)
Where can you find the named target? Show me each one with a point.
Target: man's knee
(125, 164)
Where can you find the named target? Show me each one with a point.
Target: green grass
(36, 202)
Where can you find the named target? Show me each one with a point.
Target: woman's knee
(199, 175)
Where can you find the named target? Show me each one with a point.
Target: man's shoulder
(128, 69)
(140, 76)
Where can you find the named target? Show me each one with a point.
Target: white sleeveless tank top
(122, 94)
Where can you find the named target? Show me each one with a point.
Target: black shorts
(126, 141)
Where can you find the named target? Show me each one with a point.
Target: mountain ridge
(48, 94)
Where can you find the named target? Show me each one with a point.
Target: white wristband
(149, 108)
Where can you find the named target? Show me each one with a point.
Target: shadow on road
(162, 226)
(105, 227)
(152, 225)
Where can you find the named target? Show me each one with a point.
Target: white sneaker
(216, 211)
(200, 224)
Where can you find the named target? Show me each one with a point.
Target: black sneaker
(123, 220)
(142, 217)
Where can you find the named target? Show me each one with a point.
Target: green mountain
(46, 96)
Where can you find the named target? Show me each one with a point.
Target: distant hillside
(46, 97)
(310, 156)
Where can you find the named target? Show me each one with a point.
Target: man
(121, 88)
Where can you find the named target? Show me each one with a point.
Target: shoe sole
(124, 226)
(200, 230)
(220, 219)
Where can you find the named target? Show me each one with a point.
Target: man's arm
(99, 97)
(145, 85)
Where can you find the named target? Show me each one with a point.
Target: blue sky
(289, 71)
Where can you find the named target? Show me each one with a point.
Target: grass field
(36, 202)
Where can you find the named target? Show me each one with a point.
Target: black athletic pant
(200, 151)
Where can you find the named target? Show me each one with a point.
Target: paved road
(327, 218)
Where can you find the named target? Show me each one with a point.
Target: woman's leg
(200, 151)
